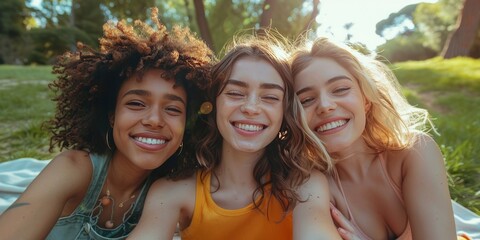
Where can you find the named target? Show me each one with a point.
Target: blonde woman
(389, 178)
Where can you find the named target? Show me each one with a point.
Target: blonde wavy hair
(391, 122)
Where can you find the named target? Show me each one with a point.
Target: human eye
(174, 110)
(235, 94)
(135, 104)
(306, 101)
(271, 98)
(341, 90)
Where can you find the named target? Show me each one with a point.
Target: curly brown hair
(88, 80)
(289, 158)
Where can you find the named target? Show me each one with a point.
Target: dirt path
(428, 98)
(9, 83)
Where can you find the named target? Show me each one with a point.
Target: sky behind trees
(36, 31)
(364, 15)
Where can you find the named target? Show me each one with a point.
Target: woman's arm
(167, 201)
(311, 219)
(425, 191)
(35, 212)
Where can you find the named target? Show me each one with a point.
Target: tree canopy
(446, 28)
(37, 34)
(62, 23)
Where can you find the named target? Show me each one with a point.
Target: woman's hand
(344, 226)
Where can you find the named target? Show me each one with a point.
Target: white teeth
(331, 125)
(249, 127)
(151, 141)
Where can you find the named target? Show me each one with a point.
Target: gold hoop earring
(107, 141)
(181, 148)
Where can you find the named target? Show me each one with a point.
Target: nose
(250, 106)
(325, 104)
(154, 119)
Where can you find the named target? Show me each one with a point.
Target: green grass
(21, 73)
(25, 103)
(450, 89)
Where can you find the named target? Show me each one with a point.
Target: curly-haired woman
(122, 114)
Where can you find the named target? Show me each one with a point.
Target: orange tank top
(210, 221)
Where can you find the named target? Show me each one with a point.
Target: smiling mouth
(150, 141)
(331, 125)
(249, 127)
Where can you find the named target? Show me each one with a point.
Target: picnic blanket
(16, 175)
(466, 221)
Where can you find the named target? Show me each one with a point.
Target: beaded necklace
(108, 199)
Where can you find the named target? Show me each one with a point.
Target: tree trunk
(313, 16)
(73, 44)
(267, 16)
(203, 23)
(187, 10)
(461, 41)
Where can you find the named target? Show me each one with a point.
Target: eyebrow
(168, 96)
(175, 98)
(137, 92)
(329, 81)
(263, 85)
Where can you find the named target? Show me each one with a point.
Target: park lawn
(449, 89)
(25, 102)
(25, 73)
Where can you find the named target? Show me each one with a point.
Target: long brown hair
(290, 157)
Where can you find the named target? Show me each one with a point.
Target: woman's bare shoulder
(73, 158)
(422, 153)
(423, 146)
(74, 166)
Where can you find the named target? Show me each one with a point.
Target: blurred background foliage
(36, 33)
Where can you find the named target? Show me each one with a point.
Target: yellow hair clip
(206, 108)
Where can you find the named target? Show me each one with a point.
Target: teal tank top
(82, 223)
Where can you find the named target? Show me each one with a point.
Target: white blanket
(16, 175)
(466, 221)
